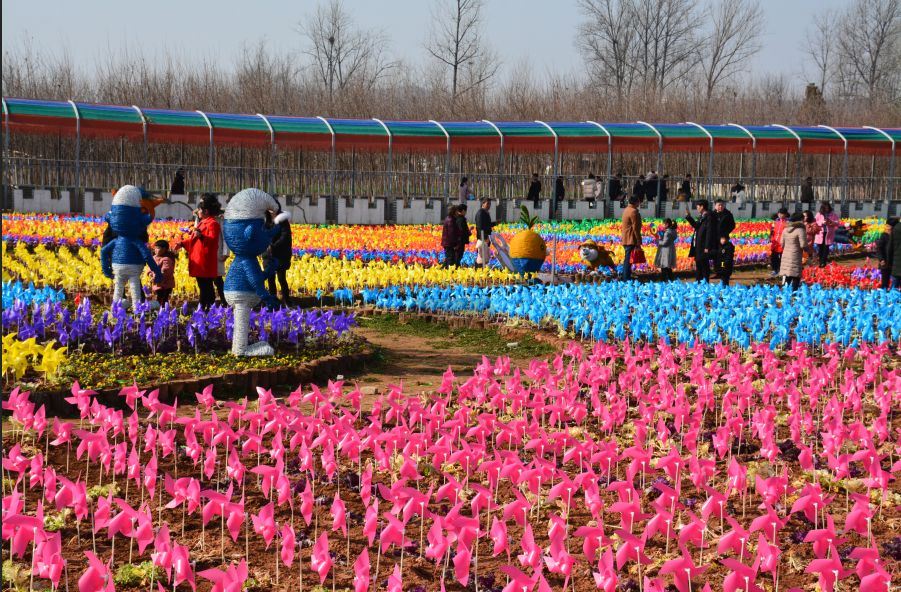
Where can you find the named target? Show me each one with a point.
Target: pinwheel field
(493, 433)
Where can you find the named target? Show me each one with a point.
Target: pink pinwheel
(264, 523)
(144, 531)
(289, 545)
(123, 521)
(438, 543)
(692, 532)
(531, 555)
(393, 533)
(824, 539)
(97, 578)
(594, 540)
(735, 540)
(767, 554)
(811, 501)
(830, 571)
(606, 579)
(630, 513)
(339, 515)
(498, 534)
(320, 560)
(741, 577)
(48, 558)
(517, 509)
(519, 582)
(462, 561)
(216, 504)
(858, 519)
(230, 580)
(683, 570)
(306, 504)
(395, 580)
(361, 571)
(768, 523)
(162, 550)
(631, 549)
(23, 530)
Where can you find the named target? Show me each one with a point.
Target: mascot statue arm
(106, 258)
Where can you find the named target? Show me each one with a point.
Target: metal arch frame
(6, 154)
(77, 147)
(844, 162)
(447, 158)
(556, 149)
(891, 172)
(500, 154)
(753, 157)
(609, 156)
(332, 157)
(659, 156)
(211, 150)
(710, 161)
(797, 154)
(272, 149)
(143, 129)
(390, 171)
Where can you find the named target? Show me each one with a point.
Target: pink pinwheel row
(551, 434)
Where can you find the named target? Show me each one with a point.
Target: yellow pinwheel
(51, 359)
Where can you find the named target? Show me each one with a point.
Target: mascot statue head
(123, 258)
(246, 235)
(595, 256)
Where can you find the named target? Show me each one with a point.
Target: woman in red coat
(203, 248)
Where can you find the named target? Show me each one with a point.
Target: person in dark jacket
(705, 240)
(882, 252)
(178, 183)
(638, 189)
(559, 195)
(280, 249)
(893, 253)
(685, 193)
(807, 196)
(615, 189)
(725, 259)
(450, 237)
(484, 225)
(725, 221)
(664, 187)
(535, 191)
(464, 232)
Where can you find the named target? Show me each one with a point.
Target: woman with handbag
(631, 236)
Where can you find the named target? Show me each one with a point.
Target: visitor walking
(203, 248)
(812, 229)
(664, 188)
(590, 189)
(828, 221)
(463, 192)
(882, 248)
(794, 241)
(665, 259)
(807, 195)
(631, 235)
(559, 196)
(450, 237)
(638, 189)
(464, 233)
(178, 183)
(779, 224)
(651, 186)
(684, 193)
(484, 225)
(893, 258)
(725, 221)
(704, 241)
(535, 191)
(615, 190)
(725, 259)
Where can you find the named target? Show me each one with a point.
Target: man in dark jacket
(807, 196)
(894, 256)
(882, 244)
(450, 237)
(535, 191)
(725, 221)
(280, 249)
(705, 240)
(463, 232)
(615, 188)
(685, 193)
(483, 231)
(638, 190)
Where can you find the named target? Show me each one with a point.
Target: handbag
(638, 256)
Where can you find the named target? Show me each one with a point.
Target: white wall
(419, 211)
(580, 210)
(307, 213)
(513, 211)
(361, 211)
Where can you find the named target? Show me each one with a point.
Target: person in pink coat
(828, 221)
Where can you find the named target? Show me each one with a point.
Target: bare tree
(606, 42)
(869, 50)
(666, 46)
(456, 41)
(733, 40)
(819, 45)
(343, 55)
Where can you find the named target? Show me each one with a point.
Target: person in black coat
(484, 225)
(638, 190)
(559, 195)
(664, 188)
(685, 193)
(178, 183)
(535, 191)
(882, 252)
(463, 233)
(280, 249)
(725, 259)
(615, 188)
(725, 221)
(705, 241)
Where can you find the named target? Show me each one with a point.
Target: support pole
(609, 164)
(447, 159)
(7, 157)
(891, 165)
(332, 156)
(272, 149)
(844, 163)
(500, 156)
(556, 157)
(211, 156)
(77, 153)
(390, 165)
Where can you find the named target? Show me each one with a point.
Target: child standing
(165, 258)
(725, 259)
(776, 231)
(665, 259)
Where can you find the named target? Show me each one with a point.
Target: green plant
(103, 490)
(15, 576)
(131, 575)
(54, 521)
(526, 218)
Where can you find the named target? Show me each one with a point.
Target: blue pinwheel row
(673, 312)
(17, 292)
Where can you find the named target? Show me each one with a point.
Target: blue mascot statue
(123, 258)
(245, 283)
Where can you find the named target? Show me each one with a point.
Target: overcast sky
(541, 32)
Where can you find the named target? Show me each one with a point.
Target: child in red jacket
(779, 225)
(165, 258)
